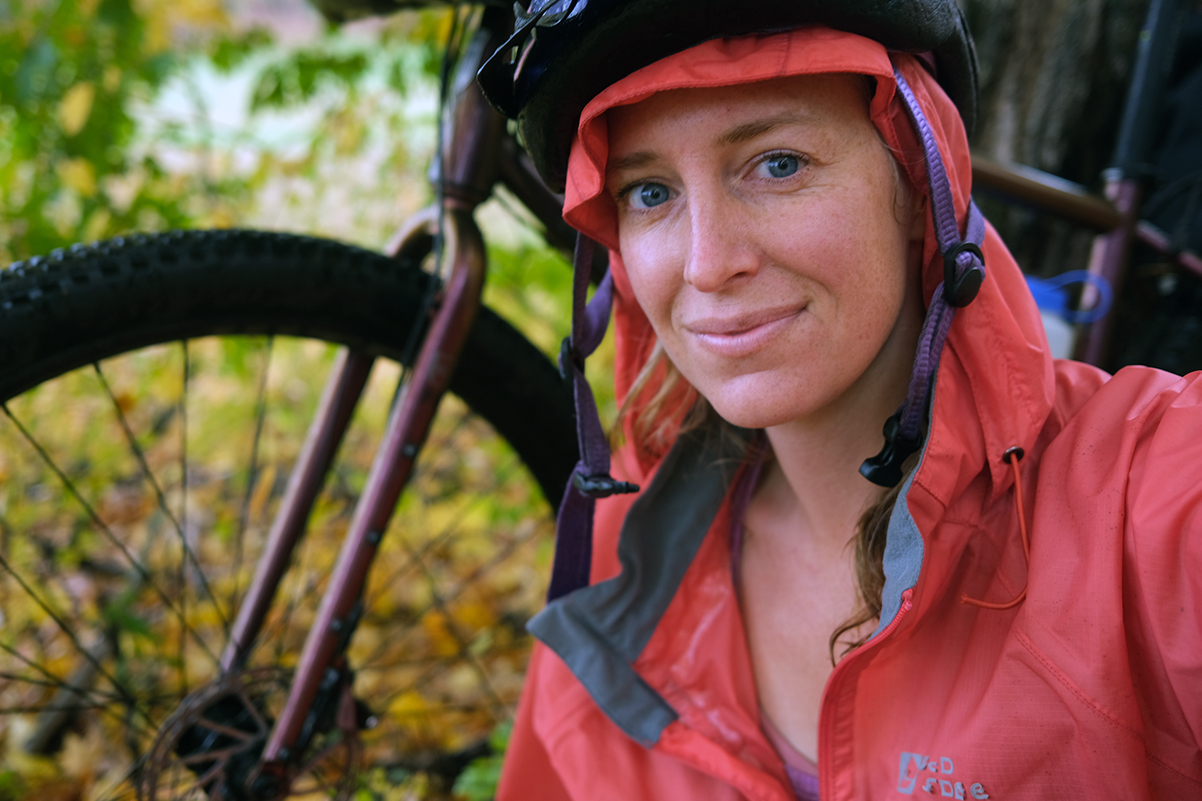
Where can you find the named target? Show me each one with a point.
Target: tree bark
(1054, 78)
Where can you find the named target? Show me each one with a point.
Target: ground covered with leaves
(136, 497)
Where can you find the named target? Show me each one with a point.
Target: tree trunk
(1054, 78)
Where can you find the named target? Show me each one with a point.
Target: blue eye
(782, 165)
(649, 195)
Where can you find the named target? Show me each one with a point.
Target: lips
(741, 334)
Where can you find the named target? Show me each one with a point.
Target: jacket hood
(1011, 392)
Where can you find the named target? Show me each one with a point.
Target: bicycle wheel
(156, 391)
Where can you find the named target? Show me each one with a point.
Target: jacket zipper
(826, 715)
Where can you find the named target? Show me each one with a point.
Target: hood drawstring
(1012, 457)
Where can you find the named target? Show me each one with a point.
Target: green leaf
(231, 52)
(120, 613)
(298, 77)
(479, 779)
(12, 786)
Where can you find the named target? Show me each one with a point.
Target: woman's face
(768, 239)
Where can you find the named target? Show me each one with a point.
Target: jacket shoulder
(1120, 488)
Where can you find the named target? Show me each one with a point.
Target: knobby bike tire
(128, 533)
(89, 302)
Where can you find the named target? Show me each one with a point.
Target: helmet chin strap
(963, 273)
(964, 270)
(590, 479)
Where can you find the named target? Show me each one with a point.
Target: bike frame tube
(519, 175)
(1065, 199)
(1159, 241)
(341, 394)
(1108, 259)
(338, 401)
(1124, 182)
(470, 171)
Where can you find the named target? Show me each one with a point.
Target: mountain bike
(199, 599)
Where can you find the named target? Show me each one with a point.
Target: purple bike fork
(470, 161)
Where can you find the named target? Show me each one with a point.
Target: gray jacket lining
(599, 631)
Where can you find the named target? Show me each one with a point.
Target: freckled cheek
(858, 246)
(654, 275)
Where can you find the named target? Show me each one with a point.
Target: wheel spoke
(464, 651)
(467, 581)
(182, 574)
(229, 731)
(69, 485)
(300, 591)
(473, 500)
(252, 472)
(140, 455)
(66, 629)
(50, 681)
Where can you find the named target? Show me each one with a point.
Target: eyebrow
(633, 161)
(735, 136)
(749, 131)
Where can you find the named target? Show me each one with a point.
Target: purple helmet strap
(964, 271)
(590, 479)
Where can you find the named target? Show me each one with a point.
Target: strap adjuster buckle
(601, 486)
(959, 291)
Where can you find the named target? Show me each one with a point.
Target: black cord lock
(885, 469)
(959, 291)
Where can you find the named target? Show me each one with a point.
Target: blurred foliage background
(146, 115)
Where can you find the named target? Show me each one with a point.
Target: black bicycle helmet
(565, 52)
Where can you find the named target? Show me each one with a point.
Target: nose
(721, 242)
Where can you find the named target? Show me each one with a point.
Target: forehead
(831, 103)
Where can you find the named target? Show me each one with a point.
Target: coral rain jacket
(1089, 688)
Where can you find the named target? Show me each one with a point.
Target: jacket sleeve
(1162, 574)
(527, 774)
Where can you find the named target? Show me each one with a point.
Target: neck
(815, 474)
(815, 479)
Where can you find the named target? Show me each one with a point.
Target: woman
(789, 222)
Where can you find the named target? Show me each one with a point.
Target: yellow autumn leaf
(78, 174)
(408, 705)
(472, 617)
(441, 638)
(201, 12)
(75, 107)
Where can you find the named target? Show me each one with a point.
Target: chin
(749, 413)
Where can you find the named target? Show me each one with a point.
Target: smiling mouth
(743, 334)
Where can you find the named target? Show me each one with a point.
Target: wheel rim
(130, 528)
